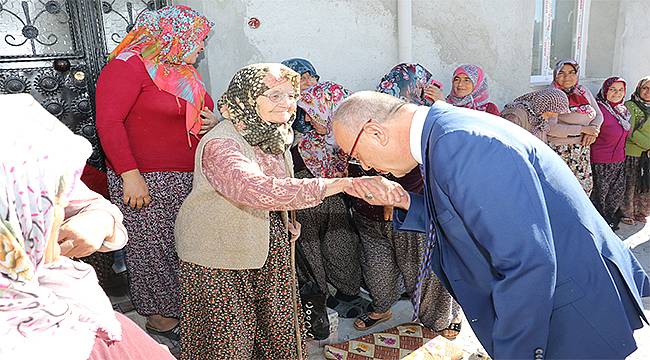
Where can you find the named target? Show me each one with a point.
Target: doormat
(394, 343)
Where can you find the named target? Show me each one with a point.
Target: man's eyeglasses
(350, 159)
(277, 97)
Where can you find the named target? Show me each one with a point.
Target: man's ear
(377, 132)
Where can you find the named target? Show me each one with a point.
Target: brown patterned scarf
(238, 104)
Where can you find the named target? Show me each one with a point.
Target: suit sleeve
(498, 195)
(415, 219)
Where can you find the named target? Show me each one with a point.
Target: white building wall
(354, 42)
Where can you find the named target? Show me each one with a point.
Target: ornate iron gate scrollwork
(55, 49)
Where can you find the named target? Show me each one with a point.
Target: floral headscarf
(642, 104)
(407, 82)
(163, 38)
(537, 103)
(240, 100)
(48, 304)
(301, 66)
(322, 156)
(478, 99)
(618, 110)
(578, 101)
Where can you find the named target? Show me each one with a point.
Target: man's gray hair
(363, 105)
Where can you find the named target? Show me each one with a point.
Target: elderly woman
(52, 307)
(469, 88)
(308, 77)
(538, 111)
(239, 296)
(636, 204)
(151, 109)
(329, 242)
(390, 256)
(608, 151)
(574, 146)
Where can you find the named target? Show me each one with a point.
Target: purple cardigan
(609, 147)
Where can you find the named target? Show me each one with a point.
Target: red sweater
(140, 126)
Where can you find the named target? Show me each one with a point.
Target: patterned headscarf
(48, 304)
(618, 110)
(240, 100)
(322, 156)
(407, 82)
(642, 104)
(163, 39)
(578, 101)
(479, 98)
(537, 103)
(301, 66)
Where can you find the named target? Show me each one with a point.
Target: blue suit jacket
(536, 269)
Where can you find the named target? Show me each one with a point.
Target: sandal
(454, 328)
(627, 220)
(369, 322)
(173, 334)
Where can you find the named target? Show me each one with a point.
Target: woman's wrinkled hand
(209, 120)
(294, 230)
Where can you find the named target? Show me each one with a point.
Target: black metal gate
(54, 49)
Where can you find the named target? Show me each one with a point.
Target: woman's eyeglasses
(277, 97)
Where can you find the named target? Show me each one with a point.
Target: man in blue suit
(537, 271)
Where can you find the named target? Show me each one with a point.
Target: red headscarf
(162, 39)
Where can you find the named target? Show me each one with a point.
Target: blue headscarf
(301, 66)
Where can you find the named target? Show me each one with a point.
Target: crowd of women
(213, 205)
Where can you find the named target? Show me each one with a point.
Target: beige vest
(213, 231)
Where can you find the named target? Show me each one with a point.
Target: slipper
(369, 322)
(173, 334)
(454, 328)
(627, 221)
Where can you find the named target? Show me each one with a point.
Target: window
(559, 34)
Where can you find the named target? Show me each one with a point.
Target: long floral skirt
(635, 204)
(609, 189)
(151, 258)
(578, 159)
(242, 314)
(387, 256)
(330, 245)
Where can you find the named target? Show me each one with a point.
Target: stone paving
(637, 237)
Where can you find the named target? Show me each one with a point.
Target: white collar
(417, 125)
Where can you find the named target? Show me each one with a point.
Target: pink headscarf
(50, 306)
(618, 110)
(478, 99)
(322, 156)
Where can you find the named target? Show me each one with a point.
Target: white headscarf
(50, 306)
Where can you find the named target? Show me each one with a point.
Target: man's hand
(83, 234)
(376, 190)
(136, 192)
